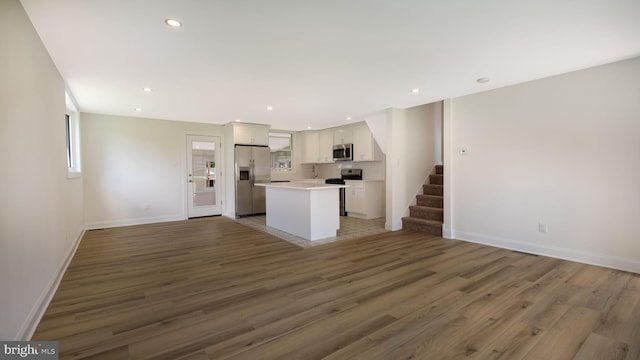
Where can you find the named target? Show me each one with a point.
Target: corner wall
(135, 169)
(563, 152)
(41, 217)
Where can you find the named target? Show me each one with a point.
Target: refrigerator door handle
(252, 175)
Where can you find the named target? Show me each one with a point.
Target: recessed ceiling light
(269, 107)
(138, 109)
(415, 91)
(348, 118)
(173, 22)
(237, 120)
(147, 90)
(483, 80)
(308, 127)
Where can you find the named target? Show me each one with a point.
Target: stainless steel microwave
(343, 152)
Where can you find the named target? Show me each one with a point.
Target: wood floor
(215, 289)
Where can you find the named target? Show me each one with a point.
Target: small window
(72, 129)
(280, 145)
(68, 128)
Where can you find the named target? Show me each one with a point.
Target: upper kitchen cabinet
(364, 145)
(343, 135)
(311, 146)
(318, 147)
(250, 134)
(325, 150)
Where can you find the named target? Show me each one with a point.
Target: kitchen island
(308, 210)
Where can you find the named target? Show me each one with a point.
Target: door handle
(252, 175)
(190, 180)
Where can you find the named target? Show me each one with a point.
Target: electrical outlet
(542, 227)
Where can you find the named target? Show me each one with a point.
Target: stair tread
(430, 208)
(433, 201)
(422, 221)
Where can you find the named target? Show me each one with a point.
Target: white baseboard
(35, 315)
(129, 222)
(552, 251)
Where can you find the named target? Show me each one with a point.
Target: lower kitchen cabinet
(365, 199)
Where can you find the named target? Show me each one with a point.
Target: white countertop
(364, 181)
(301, 185)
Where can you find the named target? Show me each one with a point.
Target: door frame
(185, 171)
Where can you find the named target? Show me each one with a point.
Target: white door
(203, 176)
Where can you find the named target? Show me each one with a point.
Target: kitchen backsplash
(371, 170)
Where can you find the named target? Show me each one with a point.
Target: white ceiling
(317, 62)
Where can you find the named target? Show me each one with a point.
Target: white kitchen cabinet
(364, 145)
(364, 199)
(311, 146)
(325, 151)
(354, 202)
(343, 135)
(318, 147)
(250, 134)
(310, 211)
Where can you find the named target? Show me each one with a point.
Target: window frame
(290, 150)
(72, 130)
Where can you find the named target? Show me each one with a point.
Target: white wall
(135, 169)
(564, 151)
(40, 208)
(377, 124)
(413, 149)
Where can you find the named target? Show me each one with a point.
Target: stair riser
(430, 202)
(436, 179)
(435, 230)
(439, 169)
(422, 213)
(432, 190)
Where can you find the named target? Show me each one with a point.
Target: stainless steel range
(345, 174)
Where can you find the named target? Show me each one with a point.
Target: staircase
(428, 214)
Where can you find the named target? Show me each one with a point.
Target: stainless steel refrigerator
(253, 165)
